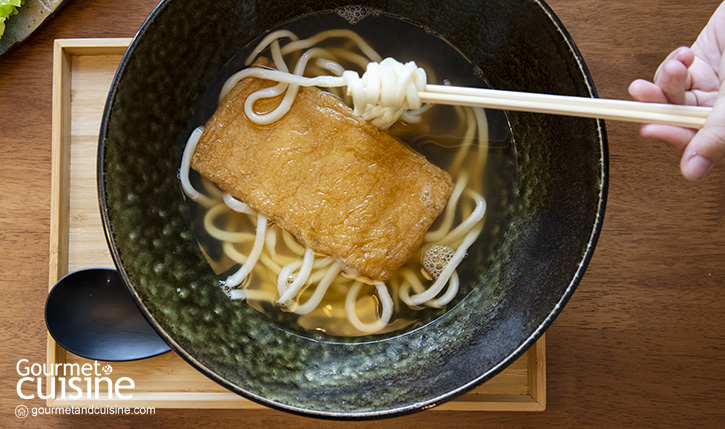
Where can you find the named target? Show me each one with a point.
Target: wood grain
(639, 345)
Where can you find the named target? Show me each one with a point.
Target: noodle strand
(320, 290)
(236, 278)
(385, 300)
(299, 279)
(186, 166)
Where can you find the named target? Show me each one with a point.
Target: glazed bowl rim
(392, 412)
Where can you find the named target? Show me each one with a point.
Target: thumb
(707, 147)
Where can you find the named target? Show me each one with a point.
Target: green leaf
(8, 8)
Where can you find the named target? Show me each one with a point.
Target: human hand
(693, 76)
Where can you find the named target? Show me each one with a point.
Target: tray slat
(82, 73)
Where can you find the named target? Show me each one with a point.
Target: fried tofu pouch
(334, 181)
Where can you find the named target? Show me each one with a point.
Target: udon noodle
(272, 266)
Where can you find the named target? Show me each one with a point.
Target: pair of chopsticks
(621, 110)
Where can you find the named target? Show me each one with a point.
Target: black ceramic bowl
(552, 223)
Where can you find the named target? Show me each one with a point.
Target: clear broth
(437, 137)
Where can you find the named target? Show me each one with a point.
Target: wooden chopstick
(621, 110)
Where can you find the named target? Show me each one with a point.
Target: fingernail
(696, 167)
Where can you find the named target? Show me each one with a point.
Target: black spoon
(91, 314)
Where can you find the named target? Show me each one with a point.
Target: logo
(21, 411)
(69, 381)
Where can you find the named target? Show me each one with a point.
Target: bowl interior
(554, 216)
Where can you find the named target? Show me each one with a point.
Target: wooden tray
(82, 73)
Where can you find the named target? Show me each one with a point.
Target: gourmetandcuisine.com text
(23, 412)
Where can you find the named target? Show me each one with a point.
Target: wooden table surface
(641, 342)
